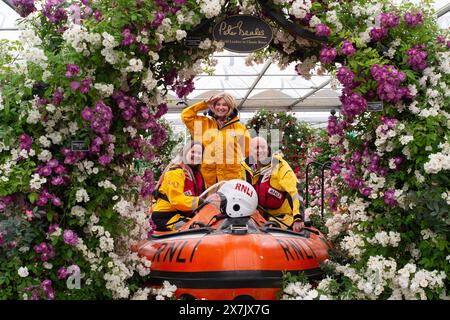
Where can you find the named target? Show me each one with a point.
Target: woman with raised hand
(225, 138)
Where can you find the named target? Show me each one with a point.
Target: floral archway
(81, 95)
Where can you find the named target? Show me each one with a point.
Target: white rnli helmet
(240, 198)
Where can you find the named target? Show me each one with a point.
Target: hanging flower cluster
(389, 79)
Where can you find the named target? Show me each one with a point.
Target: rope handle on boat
(306, 227)
(271, 215)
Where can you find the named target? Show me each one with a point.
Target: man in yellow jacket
(277, 187)
(225, 139)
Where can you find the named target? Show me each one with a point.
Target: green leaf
(33, 197)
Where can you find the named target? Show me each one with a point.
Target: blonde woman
(178, 188)
(225, 139)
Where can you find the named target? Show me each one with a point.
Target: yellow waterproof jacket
(224, 147)
(172, 203)
(283, 179)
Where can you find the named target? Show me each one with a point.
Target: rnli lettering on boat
(174, 252)
(245, 189)
(296, 250)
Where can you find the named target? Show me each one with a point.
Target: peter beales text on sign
(243, 33)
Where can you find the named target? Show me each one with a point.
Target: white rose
(23, 272)
(181, 34)
(47, 265)
(314, 22)
(45, 156)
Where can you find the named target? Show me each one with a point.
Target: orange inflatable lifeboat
(221, 256)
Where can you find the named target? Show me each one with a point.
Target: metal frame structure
(247, 103)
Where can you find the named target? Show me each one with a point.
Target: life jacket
(193, 183)
(193, 186)
(268, 196)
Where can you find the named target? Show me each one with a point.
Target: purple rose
(389, 79)
(352, 104)
(162, 110)
(52, 228)
(98, 15)
(46, 286)
(24, 7)
(143, 48)
(56, 202)
(86, 114)
(365, 191)
(335, 168)
(356, 157)
(41, 102)
(440, 39)
(100, 118)
(72, 70)
(347, 48)
(35, 295)
(75, 11)
(54, 12)
(75, 85)
(46, 251)
(398, 160)
(378, 34)
(327, 55)
(60, 169)
(417, 59)
(46, 171)
(58, 97)
(389, 20)
(346, 77)
(85, 85)
(322, 30)
(128, 38)
(389, 198)
(413, 19)
(53, 163)
(62, 273)
(157, 21)
(70, 237)
(104, 160)
(57, 181)
(179, 2)
(25, 142)
(42, 200)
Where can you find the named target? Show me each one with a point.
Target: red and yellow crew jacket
(177, 196)
(225, 146)
(278, 189)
